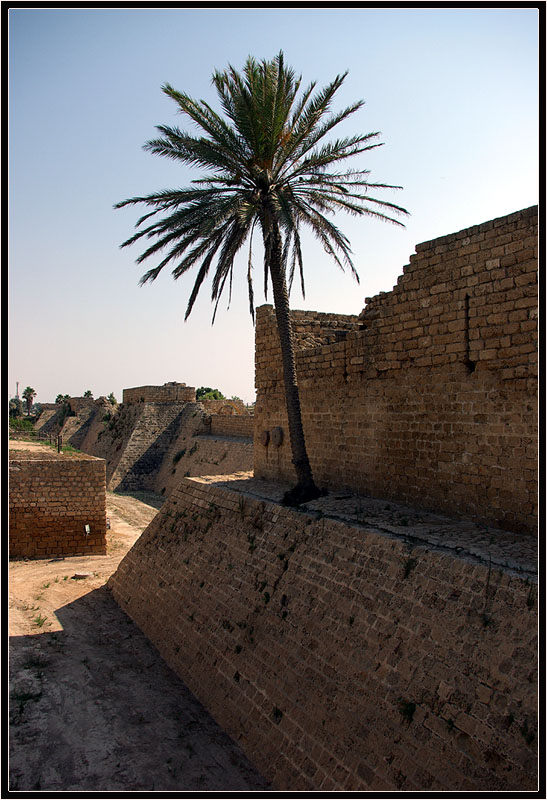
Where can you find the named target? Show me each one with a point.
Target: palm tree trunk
(305, 489)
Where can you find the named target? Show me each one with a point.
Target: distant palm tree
(29, 394)
(88, 393)
(266, 165)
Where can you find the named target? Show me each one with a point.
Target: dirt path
(92, 705)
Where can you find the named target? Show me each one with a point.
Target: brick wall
(237, 425)
(51, 498)
(430, 396)
(340, 657)
(168, 393)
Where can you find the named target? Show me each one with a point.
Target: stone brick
(392, 701)
(370, 431)
(52, 497)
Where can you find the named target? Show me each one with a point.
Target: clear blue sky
(453, 91)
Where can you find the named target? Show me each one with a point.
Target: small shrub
(21, 425)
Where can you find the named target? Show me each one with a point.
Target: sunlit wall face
(454, 93)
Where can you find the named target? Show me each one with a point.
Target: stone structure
(224, 407)
(220, 425)
(374, 648)
(157, 435)
(57, 504)
(430, 395)
(386, 651)
(168, 393)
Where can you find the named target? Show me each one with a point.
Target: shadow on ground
(94, 707)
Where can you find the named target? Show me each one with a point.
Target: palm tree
(29, 394)
(266, 164)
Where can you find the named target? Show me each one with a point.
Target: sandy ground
(92, 705)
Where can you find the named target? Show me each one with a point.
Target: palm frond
(267, 147)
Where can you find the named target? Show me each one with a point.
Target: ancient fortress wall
(339, 655)
(430, 396)
(155, 426)
(52, 497)
(149, 444)
(168, 393)
(242, 426)
(198, 454)
(161, 442)
(224, 406)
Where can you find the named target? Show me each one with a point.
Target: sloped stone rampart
(192, 455)
(343, 656)
(150, 445)
(52, 497)
(430, 396)
(156, 426)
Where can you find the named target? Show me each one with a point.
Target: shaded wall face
(51, 502)
(432, 397)
(340, 658)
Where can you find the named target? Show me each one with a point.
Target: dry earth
(92, 705)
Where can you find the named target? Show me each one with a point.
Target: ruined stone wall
(225, 406)
(168, 393)
(340, 657)
(51, 499)
(239, 425)
(150, 445)
(431, 396)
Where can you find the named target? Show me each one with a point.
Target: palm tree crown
(266, 163)
(29, 394)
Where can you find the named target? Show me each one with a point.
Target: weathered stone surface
(346, 646)
(431, 396)
(52, 498)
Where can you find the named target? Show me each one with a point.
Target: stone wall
(168, 393)
(240, 426)
(343, 656)
(224, 406)
(52, 497)
(430, 396)
(150, 445)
